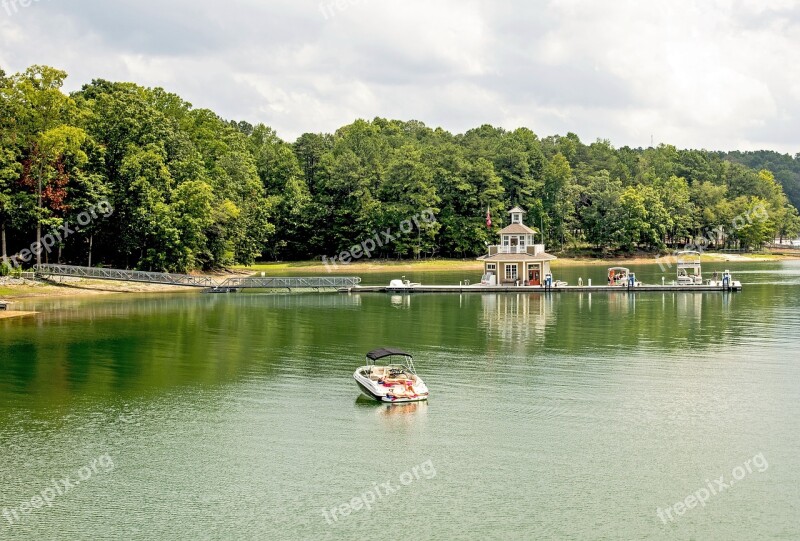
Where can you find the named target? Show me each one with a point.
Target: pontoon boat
(621, 276)
(394, 383)
(689, 268)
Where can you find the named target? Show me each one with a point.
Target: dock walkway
(541, 289)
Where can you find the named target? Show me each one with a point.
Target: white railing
(534, 249)
(328, 282)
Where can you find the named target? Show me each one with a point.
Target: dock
(542, 289)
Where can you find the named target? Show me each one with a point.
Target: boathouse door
(534, 275)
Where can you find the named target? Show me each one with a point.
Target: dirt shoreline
(80, 288)
(8, 314)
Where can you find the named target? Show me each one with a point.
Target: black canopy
(386, 352)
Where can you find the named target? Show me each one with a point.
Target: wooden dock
(541, 289)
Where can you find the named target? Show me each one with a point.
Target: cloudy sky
(698, 74)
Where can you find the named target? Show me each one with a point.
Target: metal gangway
(187, 280)
(311, 282)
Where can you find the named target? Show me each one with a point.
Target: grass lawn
(365, 267)
(376, 266)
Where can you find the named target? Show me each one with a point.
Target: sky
(713, 74)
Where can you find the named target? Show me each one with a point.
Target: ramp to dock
(188, 280)
(98, 273)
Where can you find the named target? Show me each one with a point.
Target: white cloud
(717, 74)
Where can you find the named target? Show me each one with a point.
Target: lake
(561, 416)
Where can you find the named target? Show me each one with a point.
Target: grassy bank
(443, 265)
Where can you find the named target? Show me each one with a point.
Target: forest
(190, 190)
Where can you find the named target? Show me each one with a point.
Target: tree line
(191, 190)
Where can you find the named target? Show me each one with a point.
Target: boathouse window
(511, 272)
(491, 267)
(516, 218)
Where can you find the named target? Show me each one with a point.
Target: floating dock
(542, 289)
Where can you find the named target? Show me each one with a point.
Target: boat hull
(375, 391)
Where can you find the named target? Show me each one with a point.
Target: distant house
(518, 260)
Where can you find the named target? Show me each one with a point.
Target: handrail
(100, 273)
(188, 280)
(291, 283)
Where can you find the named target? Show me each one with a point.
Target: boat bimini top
(383, 353)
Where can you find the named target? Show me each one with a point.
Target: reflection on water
(407, 413)
(235, 416)
(517, 318)
(123, 306)
(122, 344)
(400, 301)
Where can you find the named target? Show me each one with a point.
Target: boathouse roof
(518, 229)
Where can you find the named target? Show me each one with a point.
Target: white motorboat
(393, 383)
(402, 285)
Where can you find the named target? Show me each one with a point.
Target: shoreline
(78, 287)
(10, 314)
(81, 288)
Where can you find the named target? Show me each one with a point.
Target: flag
(488, 217)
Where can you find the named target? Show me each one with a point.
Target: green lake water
(562, 416)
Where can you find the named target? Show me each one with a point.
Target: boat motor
(548, 280)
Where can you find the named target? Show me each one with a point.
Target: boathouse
(517, 260)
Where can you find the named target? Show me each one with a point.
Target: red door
(534, 277)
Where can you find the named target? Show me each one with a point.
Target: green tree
(408, 191)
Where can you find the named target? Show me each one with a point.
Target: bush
(5, 270)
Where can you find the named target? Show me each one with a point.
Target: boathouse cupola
(517, 215)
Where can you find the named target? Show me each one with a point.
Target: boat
(622, 276)
(726, 282)
(689, 269)
(395, 383)
(402, 285)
